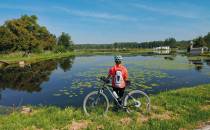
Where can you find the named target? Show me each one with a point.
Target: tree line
(25, 34)
(132, 45)
(171, 42)
(202, 41)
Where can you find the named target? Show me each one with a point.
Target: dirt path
(206, 126)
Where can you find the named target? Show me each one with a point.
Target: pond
(65, 82)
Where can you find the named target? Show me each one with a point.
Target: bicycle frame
(100, 92)
(105, 86)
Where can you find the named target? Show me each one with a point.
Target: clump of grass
(173, 110)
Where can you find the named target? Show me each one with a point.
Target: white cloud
(166, 11)
(98, 15)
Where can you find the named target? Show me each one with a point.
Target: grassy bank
(178, 109)
(16, 57)
(35, 57)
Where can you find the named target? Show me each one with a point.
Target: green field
(185, 108)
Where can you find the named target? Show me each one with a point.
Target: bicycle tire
(130, 97)
(97, 93)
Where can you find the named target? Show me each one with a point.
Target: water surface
(65, 82)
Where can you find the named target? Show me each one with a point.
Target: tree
(25, 34)
(170, 42)
(65, 40)
(199, 42)
(207, 39)
(7, 39)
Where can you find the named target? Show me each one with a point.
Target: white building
(162, 48)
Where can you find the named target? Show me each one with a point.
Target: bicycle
(97, 102)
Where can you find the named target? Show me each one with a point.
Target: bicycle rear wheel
(96, 103)
(137, 101)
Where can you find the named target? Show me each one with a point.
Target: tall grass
(172, 110)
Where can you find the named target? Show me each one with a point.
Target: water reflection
(198, 64)
(30, 77)
(207, 61)
(162, 51)
(66, 63)
(0, 94)
(169, 57)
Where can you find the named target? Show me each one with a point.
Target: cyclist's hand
(105, 79)
(102, 78)
(128, 83)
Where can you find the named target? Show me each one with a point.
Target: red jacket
(112, 72)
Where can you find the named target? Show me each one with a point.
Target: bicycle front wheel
(137, 101)
(96, 103)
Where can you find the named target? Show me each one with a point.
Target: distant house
(162, 48)
(198, 50)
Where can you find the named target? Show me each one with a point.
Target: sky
(108, 21)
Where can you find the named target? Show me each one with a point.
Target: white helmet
(118, 58)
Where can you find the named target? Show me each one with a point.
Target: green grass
(32, 58)
(35, 57)
(184, 108)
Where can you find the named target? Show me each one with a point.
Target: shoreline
(15, 58)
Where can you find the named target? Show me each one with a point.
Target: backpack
(118, 78)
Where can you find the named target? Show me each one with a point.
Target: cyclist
(119, 75)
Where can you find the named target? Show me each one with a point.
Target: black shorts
(119, 91)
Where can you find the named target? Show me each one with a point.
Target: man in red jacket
(119, 75)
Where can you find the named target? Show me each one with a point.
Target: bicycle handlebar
(106, 81)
